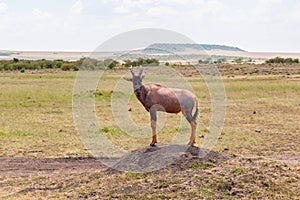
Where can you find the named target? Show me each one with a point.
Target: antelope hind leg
(193, 124)
(193, 133)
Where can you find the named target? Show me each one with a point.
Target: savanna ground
(256, 156)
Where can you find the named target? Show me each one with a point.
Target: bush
(127, 63)
(282, 60)
(58, 64)
(66, 67)
(204, 61)
(238, 60)
(141, 61)
(76, 68)
(112, 64)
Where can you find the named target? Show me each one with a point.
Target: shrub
(58, 64)
(66, 67)
(238, 60)
(76, 68)
(112, 64)
(206, 61)
(141, 61)
(282, 60)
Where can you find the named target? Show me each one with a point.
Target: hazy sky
(257, 25)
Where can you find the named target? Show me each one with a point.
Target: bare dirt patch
(41, 166)
(174, 157)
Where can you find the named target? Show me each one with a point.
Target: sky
(82, 25)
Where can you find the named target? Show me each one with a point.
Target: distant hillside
(166, 47)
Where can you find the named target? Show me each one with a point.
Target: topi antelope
(155, 97)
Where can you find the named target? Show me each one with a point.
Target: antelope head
(136, 80)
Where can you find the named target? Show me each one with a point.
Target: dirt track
(38, 166)
(180, 158)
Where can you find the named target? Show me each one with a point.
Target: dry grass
(36, 116)
(261, 133)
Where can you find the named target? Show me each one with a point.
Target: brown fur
(155, 97)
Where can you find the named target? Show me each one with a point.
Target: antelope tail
(197, 110)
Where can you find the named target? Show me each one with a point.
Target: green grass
(201, 165)
(260, 88)
(41, 104)
(239, 170)
(7, 134)
(41, 109)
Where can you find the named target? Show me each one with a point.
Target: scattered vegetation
(92, 64)
(201, 165)
(141, 61)
(205, 61)
(238, 60)
(282, 60)
(22, 65)
(239, 170)
(218, 60)
(84, 63)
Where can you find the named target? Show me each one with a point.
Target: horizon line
(89, 51)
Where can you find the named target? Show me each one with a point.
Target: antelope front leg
(153, 125)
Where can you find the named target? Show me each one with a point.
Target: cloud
(77, 7)
(260, 25)
(41, 14)
(121, 10)
(3, 7)
(162, 11)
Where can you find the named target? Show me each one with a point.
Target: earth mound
(175, 157)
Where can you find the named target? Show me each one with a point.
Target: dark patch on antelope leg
(153, 125)
(154, 141)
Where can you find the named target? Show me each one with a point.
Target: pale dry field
(8, 55)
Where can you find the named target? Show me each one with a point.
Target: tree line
(22, 65)
(282, 60)
(94, 64)
(84, 63)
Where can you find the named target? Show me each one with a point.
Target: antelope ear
(127, 79)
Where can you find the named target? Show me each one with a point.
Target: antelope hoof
(191, 143)
(153, 144)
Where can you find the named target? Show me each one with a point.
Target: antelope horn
(141, 70)
(131, 70)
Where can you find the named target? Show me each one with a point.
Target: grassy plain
(261, 137)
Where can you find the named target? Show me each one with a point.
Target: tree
(113, 64)
(110, 63)
(238, 60)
